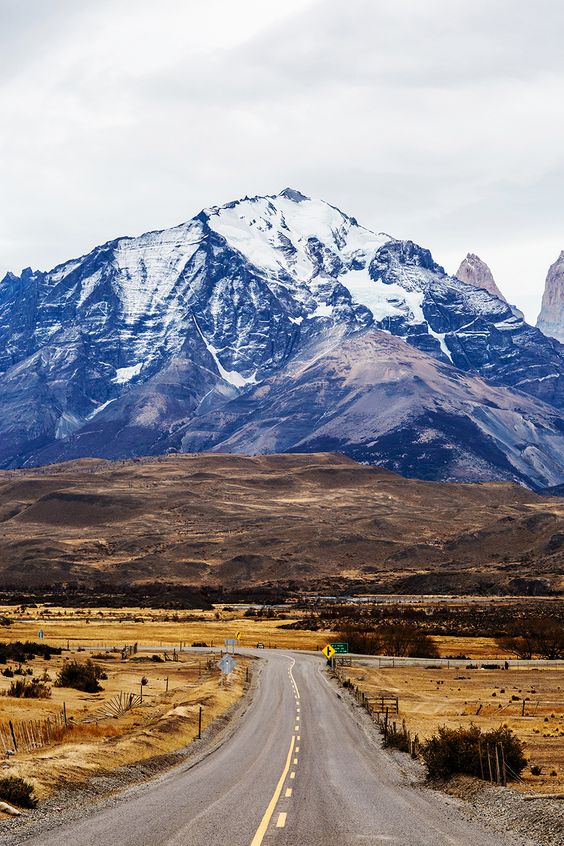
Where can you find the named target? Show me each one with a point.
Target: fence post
(200, 723)
(13, 735)
(503, 770)
(489, 763)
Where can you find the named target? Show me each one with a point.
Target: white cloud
(437, 121)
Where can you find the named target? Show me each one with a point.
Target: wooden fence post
(13, 735)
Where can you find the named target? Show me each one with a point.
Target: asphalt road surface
(298, 769)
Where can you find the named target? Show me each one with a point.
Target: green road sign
(340, 648)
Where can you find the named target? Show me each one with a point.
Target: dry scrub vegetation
(94, 739)
(453, 697)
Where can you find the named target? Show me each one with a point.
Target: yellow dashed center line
(281, 821)
(261, 830)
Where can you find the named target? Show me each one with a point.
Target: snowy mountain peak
(113, 352)
(294, 195)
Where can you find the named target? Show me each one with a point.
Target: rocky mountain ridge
(476, 272)
(134, 348)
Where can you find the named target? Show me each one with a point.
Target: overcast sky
(436, 120)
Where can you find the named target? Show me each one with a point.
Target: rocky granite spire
(551, 317)
(475, 272)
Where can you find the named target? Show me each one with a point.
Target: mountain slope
(373, 397)
(112, 353)
(288, 521)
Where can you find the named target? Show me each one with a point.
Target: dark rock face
(162, 341)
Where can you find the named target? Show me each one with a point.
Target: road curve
(298, 770)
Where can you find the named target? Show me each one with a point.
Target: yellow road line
(288, 793)
(261, 830)
(292, 775)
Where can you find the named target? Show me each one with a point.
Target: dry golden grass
(471, 647)
(109, 627)
(454, 697)
(163, 723)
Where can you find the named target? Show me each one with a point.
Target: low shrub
(80, 676)
(466, 750)
(34, 689)
(17, 791)
(22, 652)
(398, 738)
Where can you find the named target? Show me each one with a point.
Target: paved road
(298, 770)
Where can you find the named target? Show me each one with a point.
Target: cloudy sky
(436, 120)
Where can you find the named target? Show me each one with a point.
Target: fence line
(27, 735)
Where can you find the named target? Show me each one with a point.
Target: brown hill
(318, 521)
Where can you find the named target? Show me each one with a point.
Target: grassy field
(94, 740)
(488, 698)
(102, 627)
(175, 689)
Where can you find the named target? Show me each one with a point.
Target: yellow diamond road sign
(238, 635)
(328, 651)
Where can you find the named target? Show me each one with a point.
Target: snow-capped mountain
(127, 350)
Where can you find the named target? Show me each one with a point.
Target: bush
(17, 792)
(35, 689)
(21, 652)
(465, 750)
(398, 738)
(81, 676)
(398, 639)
